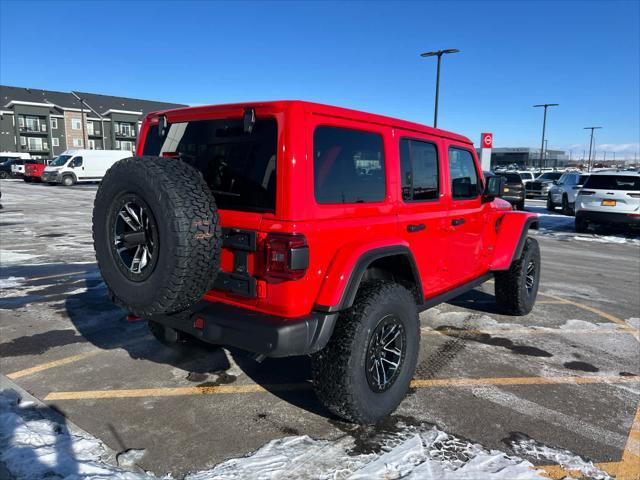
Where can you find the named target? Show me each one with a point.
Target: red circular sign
(487, 140)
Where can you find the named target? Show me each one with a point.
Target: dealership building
(45, 123)
(527, 157)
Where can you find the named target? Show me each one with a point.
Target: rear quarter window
(614, 182)
(348, 166)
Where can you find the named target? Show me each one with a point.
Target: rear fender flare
(512, 229)
(338, 291)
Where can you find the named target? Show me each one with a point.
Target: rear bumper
(608, 217)
(255, 332)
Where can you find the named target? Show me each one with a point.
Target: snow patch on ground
(33, 447)
(11, 282)
(566, 459)
(9, 257)
(421, 454)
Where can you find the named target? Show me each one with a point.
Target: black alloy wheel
(385, 354)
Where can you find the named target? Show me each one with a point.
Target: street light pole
(544, 127)
(590, 144)
(439, 54)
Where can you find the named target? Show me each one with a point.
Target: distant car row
(70, 167)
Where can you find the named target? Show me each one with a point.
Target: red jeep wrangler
(293, 228)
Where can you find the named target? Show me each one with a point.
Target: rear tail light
(586, 192)
(634, 195)
(287, 256)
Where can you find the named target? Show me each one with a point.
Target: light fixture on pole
(439, 54)
(590, 143)
(544, 126)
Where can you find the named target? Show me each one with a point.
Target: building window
(77, 142)
(35, 144)
(90, 128)
(23, 140)
(55, 142)
(76, 124)
(117, 144)
(92, 144)
(125, 129)
(126, 146)
(54, 123)
(20, 121)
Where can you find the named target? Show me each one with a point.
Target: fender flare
(358, 270)
(509, 244)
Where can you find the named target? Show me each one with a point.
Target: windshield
(60, 161)
(512, 177)
(239, 167)
(614, 182)
(550, 176)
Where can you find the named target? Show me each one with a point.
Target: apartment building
(45, 123)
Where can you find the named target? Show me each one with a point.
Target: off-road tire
(188, 233)
(68, 180)
(4, 175)
(339, 372)
(27, 179)
(550, 206)
(512, 295)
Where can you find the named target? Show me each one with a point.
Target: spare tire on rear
(156, 235)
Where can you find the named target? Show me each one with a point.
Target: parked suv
(542, 184)
(564, 191)
(513, 190)
(609, 198)
(293, 228)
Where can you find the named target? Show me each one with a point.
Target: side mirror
(71, 165)
(494, 187)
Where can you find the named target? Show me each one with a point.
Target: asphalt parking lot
(565, 378)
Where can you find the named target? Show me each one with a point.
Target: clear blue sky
(584, 55)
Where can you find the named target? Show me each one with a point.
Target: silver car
(564, 191)
(609, 198)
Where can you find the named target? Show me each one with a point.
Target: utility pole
(439, 54)
(590, 144)
(84, 103)
(544, 126)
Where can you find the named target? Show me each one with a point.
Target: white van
(73, 166)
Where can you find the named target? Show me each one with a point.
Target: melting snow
(8, 257)
(11, 282)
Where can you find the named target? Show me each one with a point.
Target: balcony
(95, 133)
(42, 129)
(126, 134)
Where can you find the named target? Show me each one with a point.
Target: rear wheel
(156, 235)
(27, 179)
(582, 226)
(566, 208)
(364, 372)
(3, 174)
(517, 288)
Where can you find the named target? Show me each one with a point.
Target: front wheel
(566, 208)
(517, 288)
(68, 180)
(550, 206)
(4, 175)
(365, 370)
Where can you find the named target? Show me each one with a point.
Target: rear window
(239, 167)
(614, 182)
(348, 166)
(511, 177)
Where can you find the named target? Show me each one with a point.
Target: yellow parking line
(53, 364)
(56, 276)
(254, 388)
(524, 331)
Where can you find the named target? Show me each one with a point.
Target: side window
(419, 170)
(464, 177)
(348, 166)
(76, 162)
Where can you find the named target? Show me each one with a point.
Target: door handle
(415, 228)
(457, 221)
